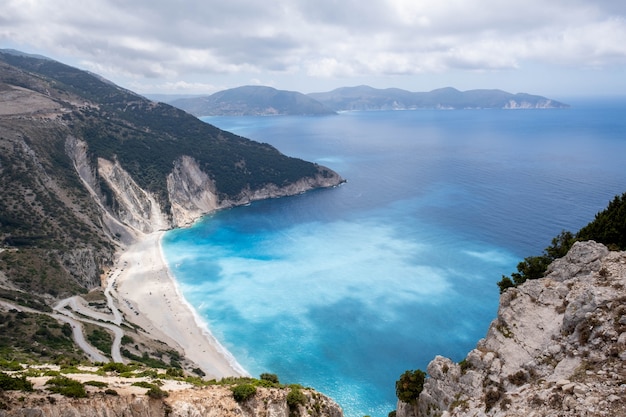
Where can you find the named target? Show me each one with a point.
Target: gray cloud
(180, 40)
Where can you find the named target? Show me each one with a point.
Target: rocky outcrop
(212, 401)
(324, 178)
(191, 192)
(137, 207)
(556, 348)
(77, 149)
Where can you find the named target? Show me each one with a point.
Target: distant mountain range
(252, 101)
(259, 100)
(368, 98)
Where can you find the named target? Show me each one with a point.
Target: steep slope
(87, 166)
(368, 98)
(253, 101)
(556, 348)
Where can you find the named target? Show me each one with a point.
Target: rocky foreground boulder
(557, 348)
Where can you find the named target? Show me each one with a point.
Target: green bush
(272, 378)
(156, 393)
(66, 386)
(608, 227)
(14, 383)
(115, 367)
(143, 384)
(175, 372)
(410, 385)
(10, 365)
(243, 392)
(295, 398)
(98, 384)
(198, 372)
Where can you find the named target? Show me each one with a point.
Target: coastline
(150, 297)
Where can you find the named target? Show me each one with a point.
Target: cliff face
(556, 348)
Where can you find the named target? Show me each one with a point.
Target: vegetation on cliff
(608, 228)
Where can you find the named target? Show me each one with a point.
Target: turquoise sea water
(346, 288)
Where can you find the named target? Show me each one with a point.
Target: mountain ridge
(252, 101)
(266, 101)
(368, 98)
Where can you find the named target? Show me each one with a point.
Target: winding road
(97, 318)
(61, 313)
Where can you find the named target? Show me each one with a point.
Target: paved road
(111, 322)
(77, 329)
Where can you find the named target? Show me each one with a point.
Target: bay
(344, 289)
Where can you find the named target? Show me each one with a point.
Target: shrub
(519, 378)
(410, 385)
(465, 366)
(608, 227)
(492, 396)
(175, 372)
(534, 267)
(273, 378)
(11, 383)
(10, 365)
(66, 386)
(243, 392)
(156, 393)
(115, 367)
(98, 384)
(143, 384)
(295, 398)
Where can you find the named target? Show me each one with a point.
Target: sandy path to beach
(149, 297)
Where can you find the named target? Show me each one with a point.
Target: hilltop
(253, 101)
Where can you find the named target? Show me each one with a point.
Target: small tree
(243, 391)
(295, 398)
(410, 385)
(272, 378)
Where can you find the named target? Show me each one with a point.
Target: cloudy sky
(559, 48)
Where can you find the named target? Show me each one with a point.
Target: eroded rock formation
(556, 348)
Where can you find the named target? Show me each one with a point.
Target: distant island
(252, 101)
(264, 101)
(368, 98)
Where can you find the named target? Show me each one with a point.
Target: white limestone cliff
(556, 348)
(191, 193)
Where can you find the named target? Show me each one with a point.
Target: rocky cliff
(118, 396)
(556, 348)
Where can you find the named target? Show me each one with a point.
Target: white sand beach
(149, 296)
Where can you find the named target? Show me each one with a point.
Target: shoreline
(149, 296)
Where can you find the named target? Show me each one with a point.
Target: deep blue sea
(346, 288)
